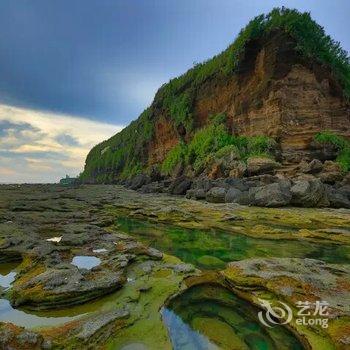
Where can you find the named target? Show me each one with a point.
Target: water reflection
(24, 319)
(212, 249)
(7, 274)
(86, 262)
(210, 317)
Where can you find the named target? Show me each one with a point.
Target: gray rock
(313, 167)
(6, 335)
(272, 195)
(233, 195)
(180, 186)
(216, 195)
(154, 253)
(69, 286)
(183, 268)
(309, 194)
(337, 198)
(46, 345)
(196, 194)
(244, 198)
(95, 324)
(202, 183)
(28, 337)
(139, 180)
(345, 190)
(331, 173)
(258, 165)
(236, 183)
(221, 182)
(346, 180)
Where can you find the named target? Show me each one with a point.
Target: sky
(74, 72)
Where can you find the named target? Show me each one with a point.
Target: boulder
(346, 180)
(260, 180)
(313, 167)
(236, 183)
(345, 190)
(337, 198)
(216, 171)
(222, 182)
(154, 173)
(216, 195)
(153, 187)
(309, 193)
(331, 172)
(139, 180)
(239, 169)
(202, 183)
(233, 195)
(244, 198)
(196, 194)
(261, 165)
(273, 195)
(180, 186)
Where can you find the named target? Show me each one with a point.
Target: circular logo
(274, 315)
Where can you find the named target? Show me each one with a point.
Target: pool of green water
(212, 249)
(211, 317)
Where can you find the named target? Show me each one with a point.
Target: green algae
(191, 230)
(212, 249)
(209, 317)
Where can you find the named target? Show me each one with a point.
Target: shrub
(175, 156)
(342, 145)
(206, 141)
(214, 141)
(180, 107)
(261, 145)
(226, 151)
(343, 159)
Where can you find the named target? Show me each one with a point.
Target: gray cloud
(67, 140)
(42, 146)
(7, 126)
(48, 155)
(16, 134)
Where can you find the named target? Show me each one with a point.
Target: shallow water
(212, 249)
(21, 317)
(211, 317)
(44, 318)
(7, 274)
(28, 319)
(86, 262)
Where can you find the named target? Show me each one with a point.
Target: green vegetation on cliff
(214, 141)
(126, 153)
(342, 145)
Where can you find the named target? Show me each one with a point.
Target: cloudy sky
(74, 72)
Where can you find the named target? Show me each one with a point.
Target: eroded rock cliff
(274, 80)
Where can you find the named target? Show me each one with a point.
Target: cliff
(282, 78)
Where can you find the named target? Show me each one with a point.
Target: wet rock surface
(116, 302)
(295, 281)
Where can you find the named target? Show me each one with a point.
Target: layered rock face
(277, 80)
(275, 92)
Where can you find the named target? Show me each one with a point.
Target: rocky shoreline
(118, 303)
(312, 185)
